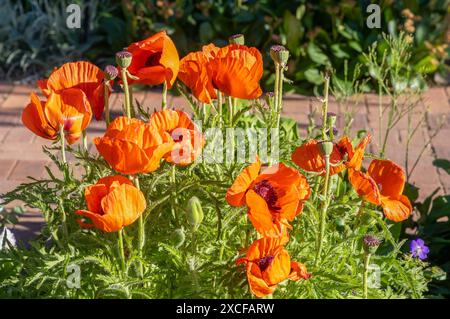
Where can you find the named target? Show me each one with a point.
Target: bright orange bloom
(309, 157)
(194, 72)
(274, 197)
(113, 203)
(177, 127)
(155, 60)
(235, 70)
(84, 76)
(69, 109)
(269, 264)
(383, 185)
(131, 146)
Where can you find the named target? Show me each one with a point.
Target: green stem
(121, 252)
(276, 91)
(173, 180)
(141, 234)
(323, 211)
(230, 110)
(325, 108)
(85, 143)
(63, 144)
(164, 96)
(366, 273)
(380, 114)
(280, 95)
(127, 92)
(219, 105)
(106, 100)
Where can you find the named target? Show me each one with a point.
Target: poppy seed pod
(124, 58)
(326, 148)
(194, 213)
(237, 39)
(111, 72)
(279, 54)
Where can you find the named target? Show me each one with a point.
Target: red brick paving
(21, 154)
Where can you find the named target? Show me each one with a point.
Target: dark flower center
(266, 191)
(264, 262)
(177, 137)
(153, 59)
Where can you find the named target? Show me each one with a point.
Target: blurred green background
(34, 37)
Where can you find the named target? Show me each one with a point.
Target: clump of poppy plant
(145, 216)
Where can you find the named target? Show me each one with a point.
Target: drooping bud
(279, 54)
(371, 243)
(331, 119)
(237, 39)
(111, 72)
(178, 237)
(194, 212)
(270, 98)
(326, 147)
(123, 59)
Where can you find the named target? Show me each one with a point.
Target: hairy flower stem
(230, 110)
(141, 234)
(280, 94)
(325, 108)
(164, 96)
(323, 211)
(219, 106)
(63, 144)
(126, 90)
(366, 273)
(121, 252)
(106, 100)
(276, 93)
(173, 180)
(85, 143)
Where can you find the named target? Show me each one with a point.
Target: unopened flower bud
(194, 213)
(371, 243)
(237, 39)
(326, 147)
(178, 237)
(123, 59)
(111, 72)
(279, 54)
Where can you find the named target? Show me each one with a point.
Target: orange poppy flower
(383, 185)
(273, 197)
(131, 146)
(269, 264)
(84, 76)
(155, 60)
(179, 128)
(69, 109)
(194, 73)
(113, 203)
(236, 71)
(308, 156)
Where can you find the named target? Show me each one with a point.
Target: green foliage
(433, 226)
(317, 33)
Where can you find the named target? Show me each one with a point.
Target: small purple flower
(419, 249)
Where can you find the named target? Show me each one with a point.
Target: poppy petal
(389, 176)
(236, 193)
(365, 186)
(396, 210)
